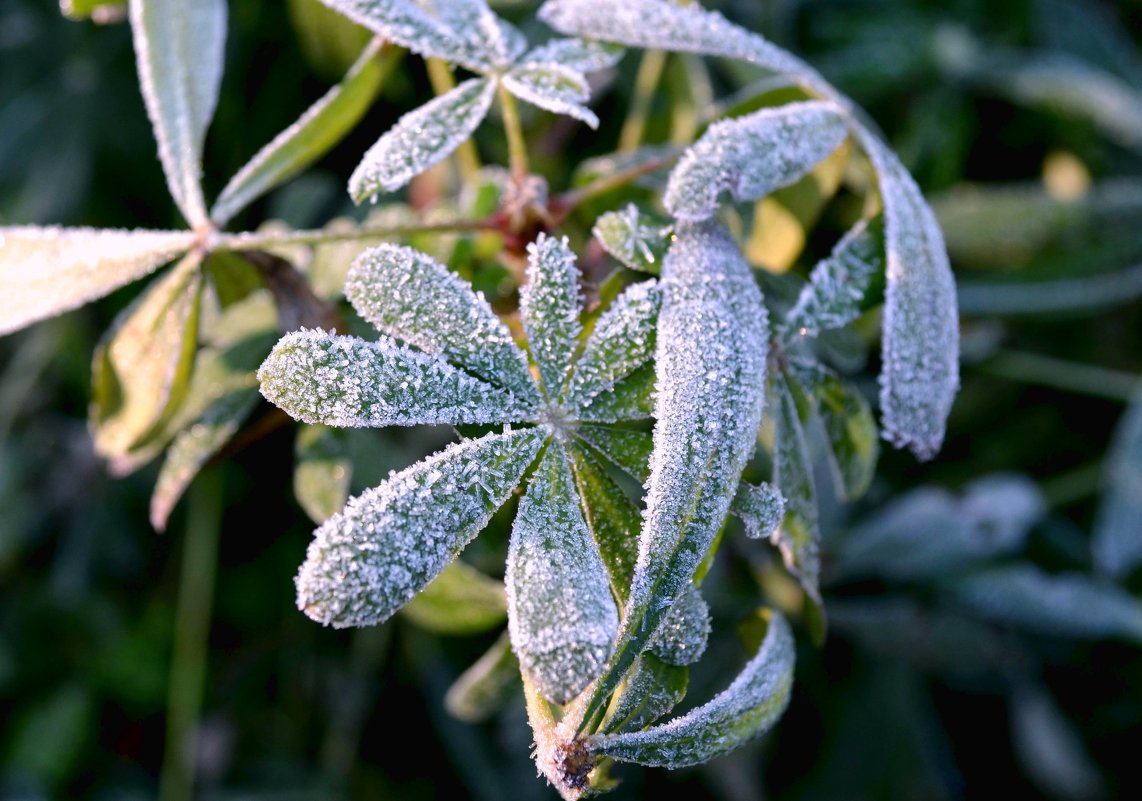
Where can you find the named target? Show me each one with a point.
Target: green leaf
(1117, 544)
(628, 450)
(179, 50)
(322, 471)
(330, 41)
(554, 87)
(613, 518)
(317, 131)
(681, 638)
(561, 616)
(761, 509)
(99, 10)
(637, 240)
(459, 601)
(745, 709)
(48, 271)
(388, 543)
(421, 139)
(651, 690)
(581, 55)
(549, 309)
(798, 538)
(632, 398)
(485, 688)
(141, 368)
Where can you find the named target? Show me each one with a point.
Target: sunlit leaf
(484, 688)
(554, 87)
(632, 398)
(461, 600)
(549, 309)
(581, 55)
(98, 10)
(1118, 524)
(635, 239)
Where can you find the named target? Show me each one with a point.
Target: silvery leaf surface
(549, 310)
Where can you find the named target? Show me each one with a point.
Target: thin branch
(256, 241)
(517, 147)
(562, 206)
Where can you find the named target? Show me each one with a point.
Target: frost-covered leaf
(750, 156)
(745, 709)
(47, 271)
(484, 688)
(628, 450)
(637, 240)
(408, 295)
(1050, 749)
(838, 283)
(342, 381)
(621, 342)
(651, 690)
(461, 601)
(389, 542)
(710, 359)
(612, 517)
(681, 638)
(554, 87)
(322, 471)
(761, 509)
(422, 138)
(561, 615)
(321, 127)
(179, 50)
(1118, 524)
(921, 375)
(632, 398)
(798, 537)
(549, 309)
(581, 55)
(1062, 605)
(141, 369)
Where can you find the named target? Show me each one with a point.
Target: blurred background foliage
(950, 670)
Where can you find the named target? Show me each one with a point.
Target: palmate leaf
(632, 398)
(459, 601)
(549, 309)
(342, 381)
(422, 138)
(635, 239)
(798, 537)
(179, 49)
(554, 87)
(48, 271)
(681, 638)
(1117, 544)
(561, 616)
(745, 709)
(751, 156)
(389, 542)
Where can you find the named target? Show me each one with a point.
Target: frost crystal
(760, 508)
(549, 307)
(389, 542)
(751, 156)
(554, 87)
(797, 537)
(581, 55)
(681, 638)
(633, 238)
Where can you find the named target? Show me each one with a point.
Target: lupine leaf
(798, 538)
(341, 381)
(761, 509)
(681, 638)
(461, 600)
(549, 309)
(484, 688)
(408, 295)
(141, 369)
(489, 39)
(554, 87)
(613, 518)
(561, 615)
(632, 398)
(628, 450)
(710, 359)
(389, 542)
(745, 709)
(322, 471)
(321, 127)
(634, 238)
(179, 50)
(581, 55)
(422, 138)
(1118, 524)
(621, 342)
(48, 271)
(651, 690)
(751, 156)
(838, 284)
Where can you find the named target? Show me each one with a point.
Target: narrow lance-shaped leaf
(1117, 538)
(554, 87)
(48, 271)
(761, 509)
(798, 538)
(421, 139)
(483, 689)
(681, 638)
(745, 709)
(650, 691)
(391, 541)
(549, 308)
(632, 398)
(635, 239)
(460, 601)
(561, 615)
(317, 130)
(342, 381)
(179, 49)
(486, 39)
(581, 55)
(408, 295)
(751, 156)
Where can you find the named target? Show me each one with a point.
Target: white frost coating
(681, 637)
(761, 509)
(621, 342)
(387, 543)
(798, 537)
(554, 87)
(487, 38)
(652, 689)
(921, 373)
(47, 271)
(751, 156)
(633, 238)
(745, 709)
(409, 296)
(1118, 525)
(325, 379)
(179, 50)
(549, 308)
(422, 138)
(837, 285)
(561, 616)
(581, 55)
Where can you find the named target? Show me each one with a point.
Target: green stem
(517, 148)
(1047, 371)
(649, 74)
(192, 632)
(256, 241)
(443, 82)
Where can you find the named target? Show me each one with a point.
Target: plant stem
(443, 82)
(649, 74)
(566, 203)
(1047, 371)
(255, 241)
(517, 148)
(192, 631)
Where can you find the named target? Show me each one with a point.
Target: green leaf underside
(554, 87)
(549, 309)
(141, 368)
(635, 239)
(48, 271)
(484, 688)
(321, 127)
(389, 542)
(459, 601)
(408, 295)
(343, 381)
(422, 138)
(651, 690)
(1117, 546)
(322, 471)
(179, 50)
(747, 708)
(561, 616)
(751, 156)
(798, 537)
